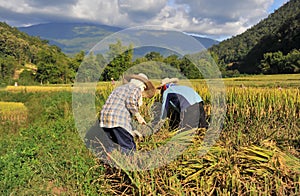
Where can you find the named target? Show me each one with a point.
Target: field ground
(257, 152)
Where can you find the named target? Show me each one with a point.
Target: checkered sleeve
(132, 101)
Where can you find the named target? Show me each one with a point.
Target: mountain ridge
(280, 31)
(74, 37)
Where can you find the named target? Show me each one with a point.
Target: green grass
(46, 156)
(257, 152)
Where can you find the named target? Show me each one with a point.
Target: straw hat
(167, 81)
(149, 90)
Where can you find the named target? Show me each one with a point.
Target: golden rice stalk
(38, 88)
(13, 111)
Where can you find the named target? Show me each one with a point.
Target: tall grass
(257, 153)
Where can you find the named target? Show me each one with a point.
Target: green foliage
(154, 56)
(18, 49)
(254, 51)
(154, 69)
(46, 157)
(91, 68)
(120, 59)
(54, 67)
(27, 78)
(189, 69)
(278, 32)
(274, 63)
(7, 68)
(76, 61)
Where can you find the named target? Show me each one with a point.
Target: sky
(216, 19)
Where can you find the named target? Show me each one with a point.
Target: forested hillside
(271, 46)
(29, 59)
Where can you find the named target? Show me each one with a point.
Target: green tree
(154, 56)
(272, 63)
(276, 62)
(280, 31)
(91, 68)
(18, 49)
(27, 77)
(173, 61)
(8, 65)
(189, 69)
(292, 62)
(120, 58)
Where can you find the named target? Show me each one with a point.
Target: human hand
(137, 133)
(140, 119)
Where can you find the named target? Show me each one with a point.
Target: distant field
(271, 81)
(12, 111)
(287, 80)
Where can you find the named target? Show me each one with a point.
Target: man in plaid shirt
(123, 104)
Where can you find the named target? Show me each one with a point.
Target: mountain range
(75, 37)
(271, 46)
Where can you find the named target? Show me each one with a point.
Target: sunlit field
(12, 111)
(256, 153)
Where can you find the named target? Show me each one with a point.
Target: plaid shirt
(120, 106)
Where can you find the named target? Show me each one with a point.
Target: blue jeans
(122, 137)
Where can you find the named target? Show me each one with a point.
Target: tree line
(270, 47)
(37, 62)
(119, 61)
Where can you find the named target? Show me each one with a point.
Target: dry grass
(257, 152)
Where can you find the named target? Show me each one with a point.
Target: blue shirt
(180, 97)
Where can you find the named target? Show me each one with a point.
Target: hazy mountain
(70, 37)
(74, 37)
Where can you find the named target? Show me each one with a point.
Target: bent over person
(121, 107)
(182, 105)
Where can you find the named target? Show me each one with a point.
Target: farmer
(121, 107)
(182, 105)
(112, 81)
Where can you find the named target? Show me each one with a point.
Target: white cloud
(11, 5)
(172, 18)
(145, 6)
(210, 17)
(229, 17)
(99, 11)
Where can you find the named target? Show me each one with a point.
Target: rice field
(257, 151)
(13, 111)
(27, 89)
